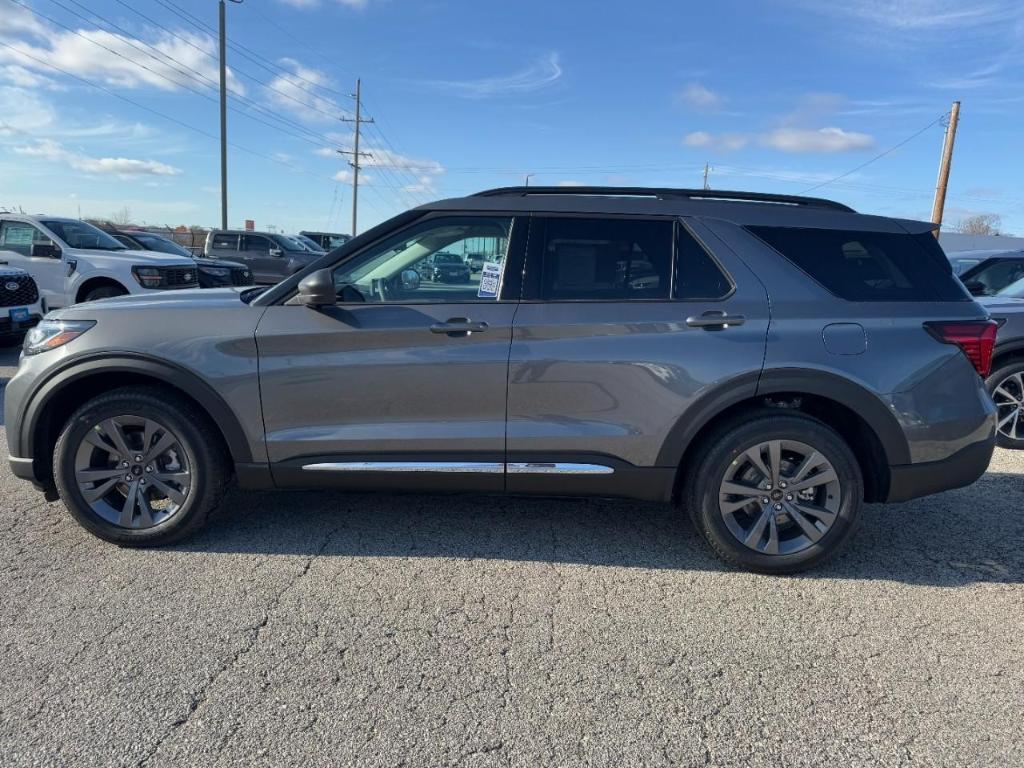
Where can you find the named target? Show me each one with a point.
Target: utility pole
(707, 169)
(947, 160)
(356, 154)
(527, 180)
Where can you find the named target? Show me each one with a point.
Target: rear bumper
(911, 481)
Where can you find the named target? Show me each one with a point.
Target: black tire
(1013, 387)
(703, 488)
(198, 438)
(104, 292)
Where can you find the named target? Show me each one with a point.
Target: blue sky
(777, 95)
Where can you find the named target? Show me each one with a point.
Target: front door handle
(459, 326)
(715, 320)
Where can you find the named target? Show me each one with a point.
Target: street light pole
(223, 121)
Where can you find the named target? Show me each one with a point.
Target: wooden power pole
(947, 160)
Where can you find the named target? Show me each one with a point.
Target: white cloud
(118, 60)
(701, 98)
(923, 15)
(822, 140)
(297, 92)
(22, 111)
(315, 3)
(24, 78)
(570, 183)
(122, 167)
(542, 73)
(727, 142)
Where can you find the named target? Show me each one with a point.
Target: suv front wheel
(1006, 386)
(776, 493)
(140, 467)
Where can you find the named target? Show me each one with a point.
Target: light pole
(224, 121)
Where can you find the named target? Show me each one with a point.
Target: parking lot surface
(315, 629)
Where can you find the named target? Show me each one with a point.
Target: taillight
(976, 338)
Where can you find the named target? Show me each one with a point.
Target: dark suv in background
(212, 273)
(767, 362)
(270, 256)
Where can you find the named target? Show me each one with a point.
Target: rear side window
(226, 241)
(869, 266)
(605, 259)
(698, 276)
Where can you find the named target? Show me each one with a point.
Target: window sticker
(490, 280)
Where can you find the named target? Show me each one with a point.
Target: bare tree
(981, 224)
(122, 217)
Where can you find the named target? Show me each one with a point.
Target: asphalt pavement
(320, 629)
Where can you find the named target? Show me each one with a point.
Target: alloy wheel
(1009, 399)
(132, 472)
(780, 497)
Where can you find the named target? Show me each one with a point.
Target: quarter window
(226, 241)
(586, 259)
(698, 276)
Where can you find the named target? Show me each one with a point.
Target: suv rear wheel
(104, 292)
(1007, 389)
(140, 467)
(776, 493)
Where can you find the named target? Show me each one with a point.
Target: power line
(876, 157)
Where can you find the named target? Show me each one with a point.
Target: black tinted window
(697, 274)
(990, 277)
(605, 259)
(869, 266)
(226, 241)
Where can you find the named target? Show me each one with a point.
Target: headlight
(148, 277)
(50, 334)
(215, 271)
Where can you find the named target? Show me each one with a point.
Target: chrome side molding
(557, 468)
(475, 467)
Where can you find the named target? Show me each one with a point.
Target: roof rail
(667, 193)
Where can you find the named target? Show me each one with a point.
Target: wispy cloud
(539, 74)
(700, 98)
(299, 91)
(316, 3)
(122, 167)
(828, 140)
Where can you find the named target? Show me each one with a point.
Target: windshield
(162, 245)
(1013, 290)
(312, 245)
(79, 234)
(288, 243)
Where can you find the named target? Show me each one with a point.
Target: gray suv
(270, 256)
(769, 363)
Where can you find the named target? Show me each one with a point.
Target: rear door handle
(715, 320)
(459, 326)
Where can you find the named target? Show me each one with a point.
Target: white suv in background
(73, 261)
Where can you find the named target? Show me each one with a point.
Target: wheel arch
(92, 283)
(859, 416)
(1004, 353)
(55, 398)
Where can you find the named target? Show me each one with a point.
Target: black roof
(744, 208)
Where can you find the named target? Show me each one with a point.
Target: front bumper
(10, 328)
(911, 481)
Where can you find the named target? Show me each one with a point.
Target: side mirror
(410, 279)
(45, 251)
(317, 290)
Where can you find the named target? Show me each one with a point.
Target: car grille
(6, 326)
(181, 277)
(18, 291)
(241, 277)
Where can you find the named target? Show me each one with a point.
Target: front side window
(427, 263)
(288, 243)
(19, 237)
(257, 243)
(990, 278)
(586, 259)
(163, 245)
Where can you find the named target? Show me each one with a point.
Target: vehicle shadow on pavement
(949, 540)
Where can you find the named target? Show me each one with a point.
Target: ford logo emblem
(12, 286)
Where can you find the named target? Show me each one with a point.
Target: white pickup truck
(73, 261)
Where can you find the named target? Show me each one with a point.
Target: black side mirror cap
(317, 290)
(45, 250)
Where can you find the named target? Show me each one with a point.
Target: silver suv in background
(769, 363)
(270, 256)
